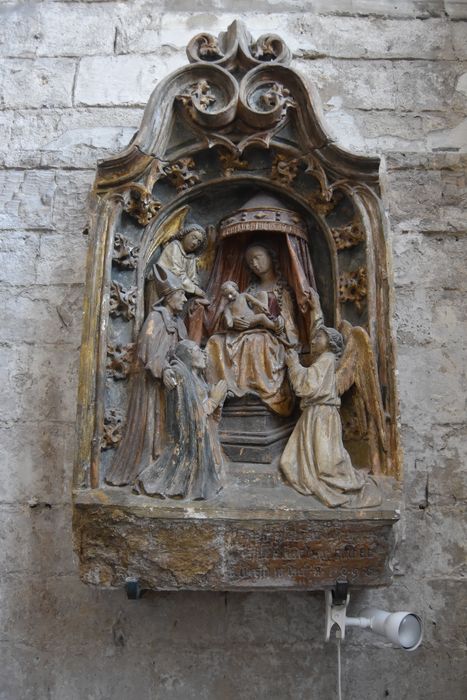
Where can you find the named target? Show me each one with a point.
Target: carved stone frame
(241, 103)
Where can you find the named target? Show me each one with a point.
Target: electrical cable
(339, 687)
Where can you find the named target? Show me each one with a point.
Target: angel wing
(167, 230)
(206, 259)
(357, 368)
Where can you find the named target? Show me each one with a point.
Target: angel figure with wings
(315, 461)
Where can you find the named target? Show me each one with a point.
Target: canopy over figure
(263, 250)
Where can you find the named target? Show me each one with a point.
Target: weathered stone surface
(42, 83)
(46, 448)
(229, 544)
(431, 370)
(70, 213)
(26, 198)
(73, 138)
(358, 37)
(55, 29)
(405, 85)
(18, 257)
(427, 193)
(38, 383)
(41, 315)
(128, 79)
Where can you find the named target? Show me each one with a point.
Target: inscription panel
(306, 554)
(168, 554)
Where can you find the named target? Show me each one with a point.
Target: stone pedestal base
(251, 433)
(276, 539)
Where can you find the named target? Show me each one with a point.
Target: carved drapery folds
(232, 157)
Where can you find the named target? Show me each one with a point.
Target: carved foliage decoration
(139, 204)
(353, 287)
(125, 254)
(348, 235)
(122, 301)
(230, 162)
(112, 433)
(284, 170)
(182, 174)
(119, 359)
(236, 48)
(199, 96)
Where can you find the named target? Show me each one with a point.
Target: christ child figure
(246, 307)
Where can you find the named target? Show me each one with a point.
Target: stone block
(43, 470)
(459, 33)
(434, 465)
(380, 84)
(118, 80)
(55, 265)
(437, 318)
(367, 37)
(42, 315)
(428, 194)
(436, 543)
(44, 82)
(38, 383)
(37, 541)
(456, 9)
(56, 29)
(354, 86)
(422, 9)
(432, 385)
(378, 131)
(64, 137)
(26, 199)
(19, 253)
(436, 262)
(70, 211)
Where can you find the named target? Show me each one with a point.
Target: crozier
(237, 405)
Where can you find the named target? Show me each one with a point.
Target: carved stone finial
(236, 48)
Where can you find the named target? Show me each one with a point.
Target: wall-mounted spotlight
(404, 629)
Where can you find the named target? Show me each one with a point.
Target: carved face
(198, 358)
(319, 343)
(192, 241)
(176, 301)
(258, 260)
(230, 291)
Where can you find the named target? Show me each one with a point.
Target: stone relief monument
(237, 407)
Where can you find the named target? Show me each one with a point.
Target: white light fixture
(404, 629)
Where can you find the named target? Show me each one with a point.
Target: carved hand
(169, 379)
(279, 324)
(291, 357)
(241, 324)
(219, 392)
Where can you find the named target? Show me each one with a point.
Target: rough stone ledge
(276, 540)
